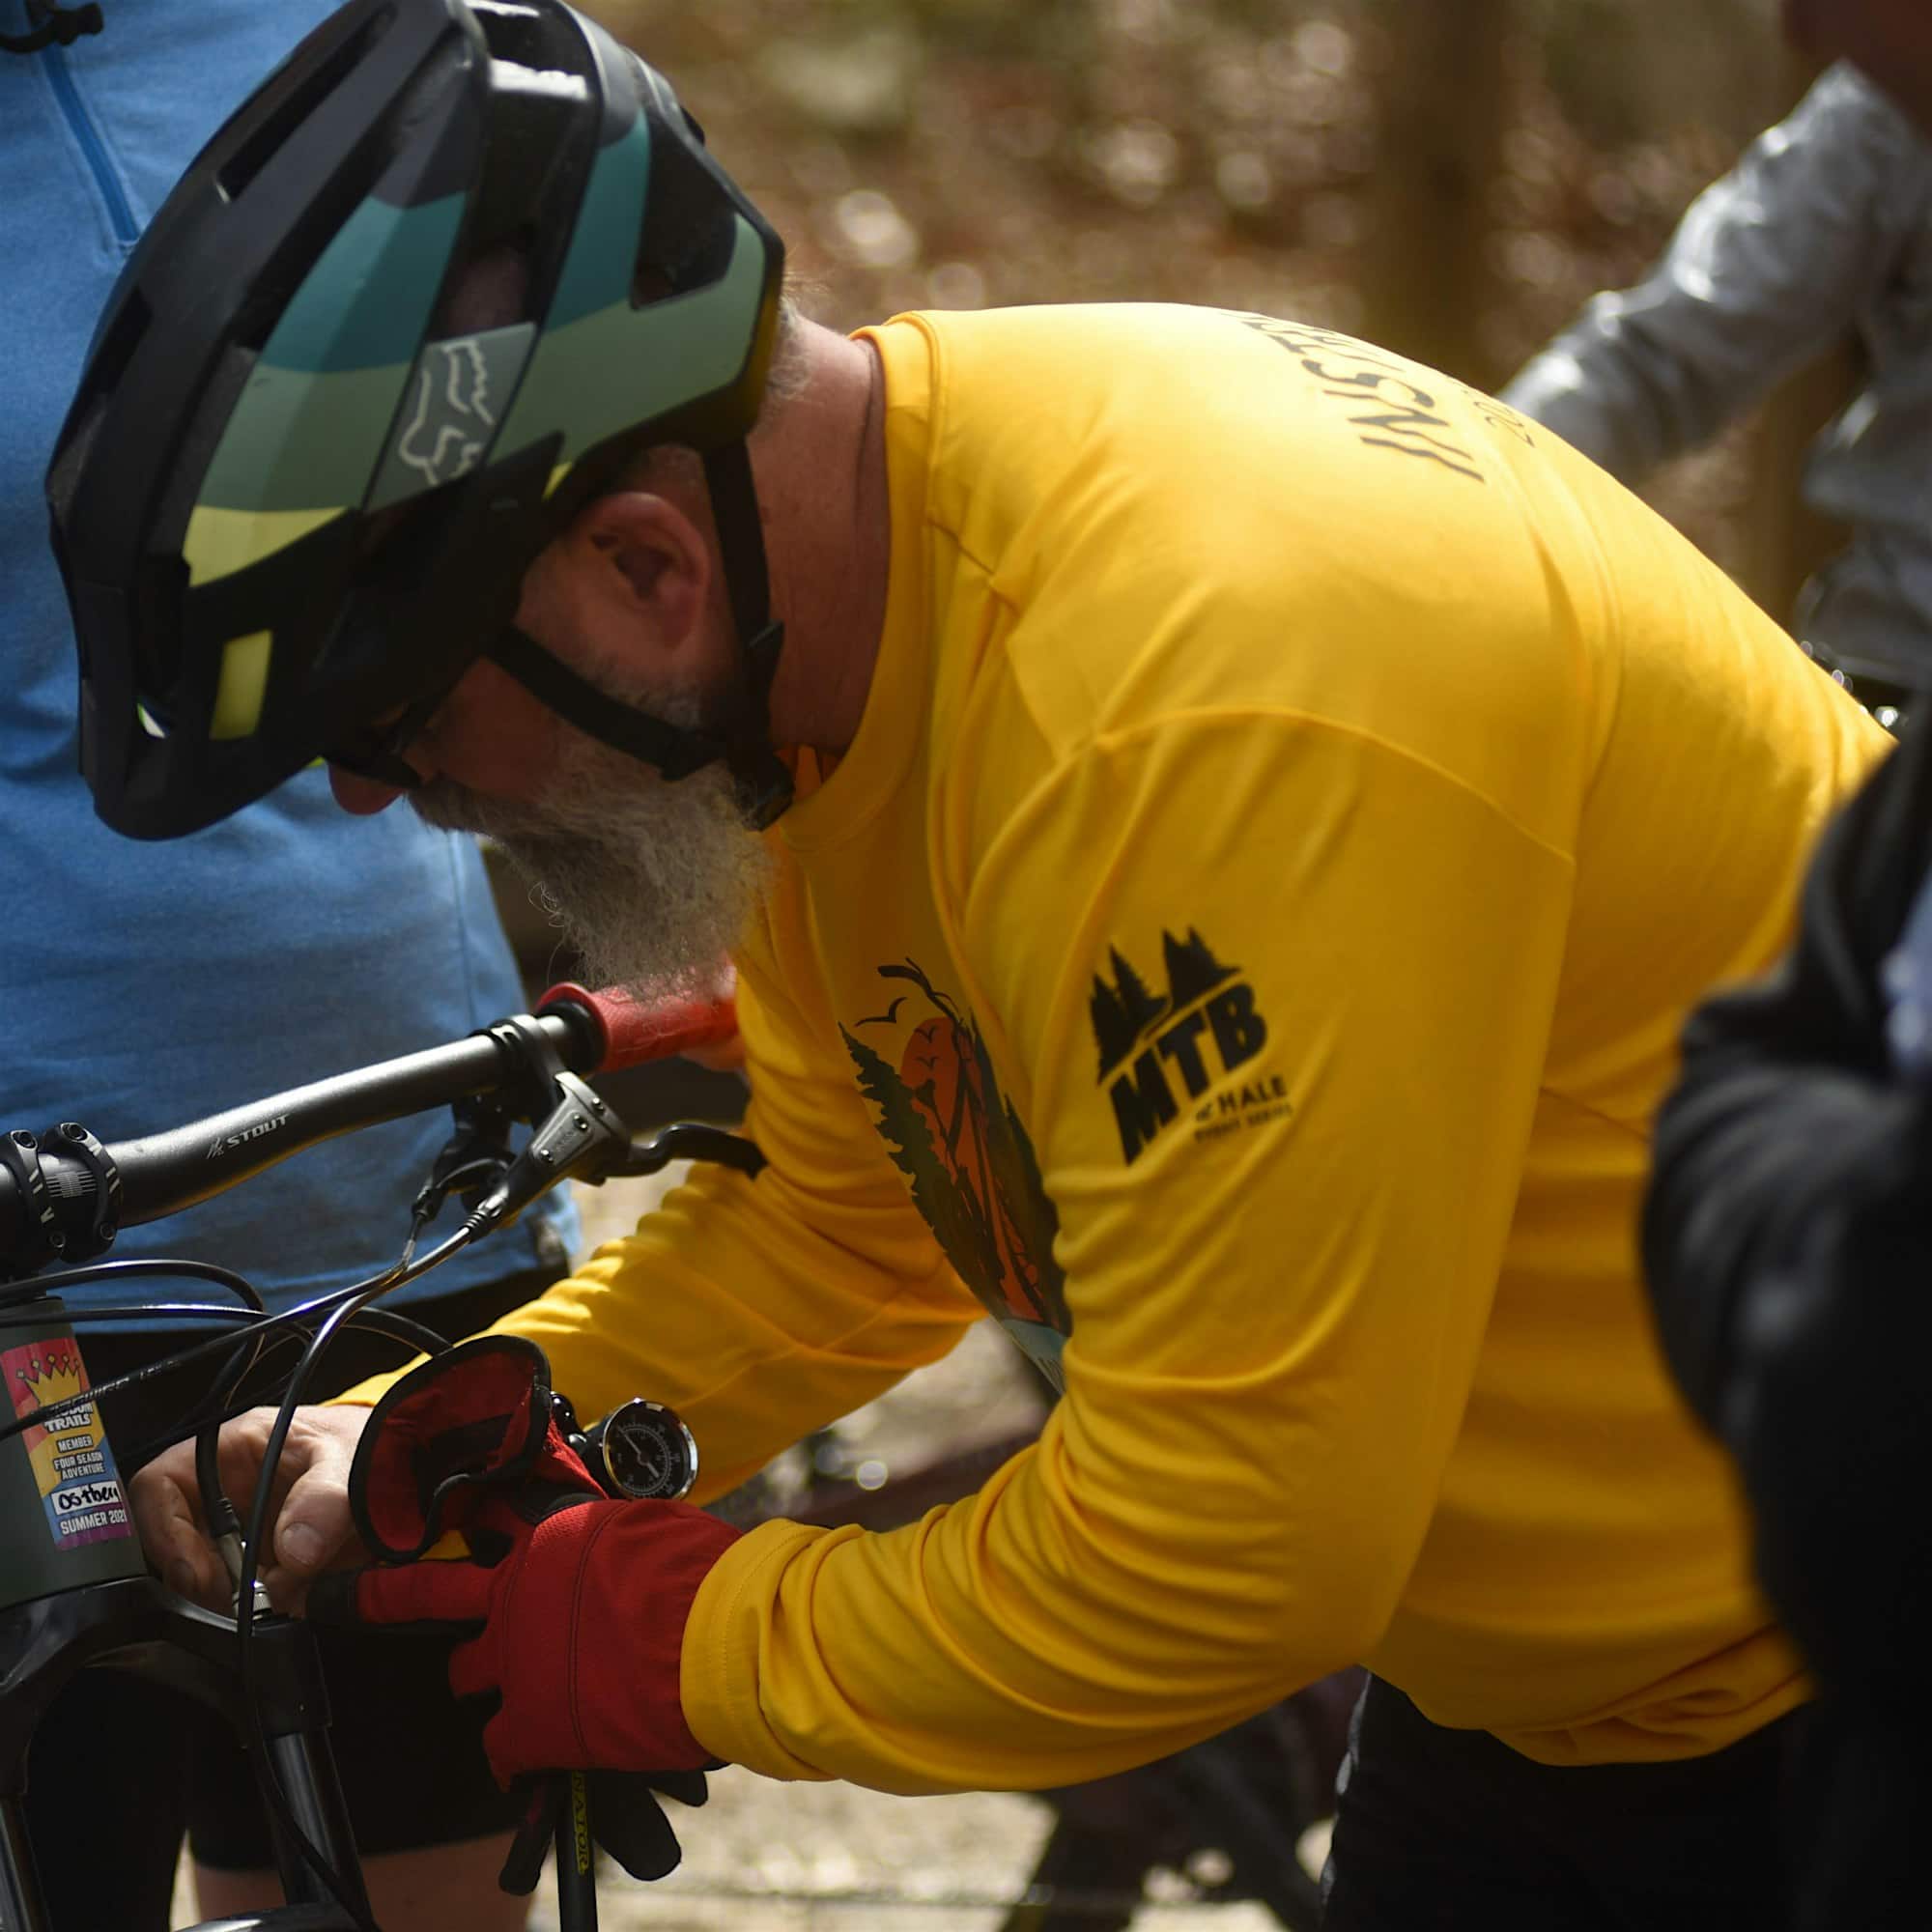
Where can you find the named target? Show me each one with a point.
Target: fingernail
(302, 1547)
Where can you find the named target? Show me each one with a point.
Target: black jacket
(1787, 1238)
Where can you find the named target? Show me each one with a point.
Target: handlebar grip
(633, 1031)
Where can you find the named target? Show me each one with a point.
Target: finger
(169, 1521)
(412, 1593)
(239, 1452)
(630, 1824)
(313, 1524)
(543, 1802)
(687, 1788)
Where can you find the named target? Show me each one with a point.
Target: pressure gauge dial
(643, 1451)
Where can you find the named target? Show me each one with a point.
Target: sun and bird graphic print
(974, 1175)
(975, 1178)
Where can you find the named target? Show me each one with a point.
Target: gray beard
(651, 881)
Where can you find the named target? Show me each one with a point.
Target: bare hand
(312, 1527)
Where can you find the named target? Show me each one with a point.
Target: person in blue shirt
(149, 984)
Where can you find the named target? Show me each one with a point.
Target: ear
(644, 570)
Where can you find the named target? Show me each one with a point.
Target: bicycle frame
(135, 1623)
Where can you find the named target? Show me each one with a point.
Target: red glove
(583, 1631)
(583, 1603)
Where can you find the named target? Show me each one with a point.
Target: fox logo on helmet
(433, 441)
(457, 397)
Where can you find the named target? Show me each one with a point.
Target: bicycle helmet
(298, 486)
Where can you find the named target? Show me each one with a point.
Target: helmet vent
(686, 241)
(284, 109)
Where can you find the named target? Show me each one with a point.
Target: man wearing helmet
(1219, 827)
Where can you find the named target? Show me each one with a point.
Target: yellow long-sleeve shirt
(1243, 946)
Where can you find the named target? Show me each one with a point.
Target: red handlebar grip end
(635, 1031)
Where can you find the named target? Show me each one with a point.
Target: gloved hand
(582, 1601)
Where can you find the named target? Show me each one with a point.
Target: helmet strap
(670, 748)
(764, 782)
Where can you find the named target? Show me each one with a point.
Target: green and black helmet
(445, 276)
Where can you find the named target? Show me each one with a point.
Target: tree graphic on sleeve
(972, 1174)
(941, 1201)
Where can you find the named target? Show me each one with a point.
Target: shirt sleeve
(1769, 268)
(761, 1309)
(1278, 997)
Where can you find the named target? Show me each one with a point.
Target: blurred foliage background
(1449, 177)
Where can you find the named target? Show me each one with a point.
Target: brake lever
(690, 1140)
(583, 1139)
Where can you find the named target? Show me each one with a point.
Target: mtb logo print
(975, 1178)
(1199, 1031)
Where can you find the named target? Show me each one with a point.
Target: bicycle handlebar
(67, 1194)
